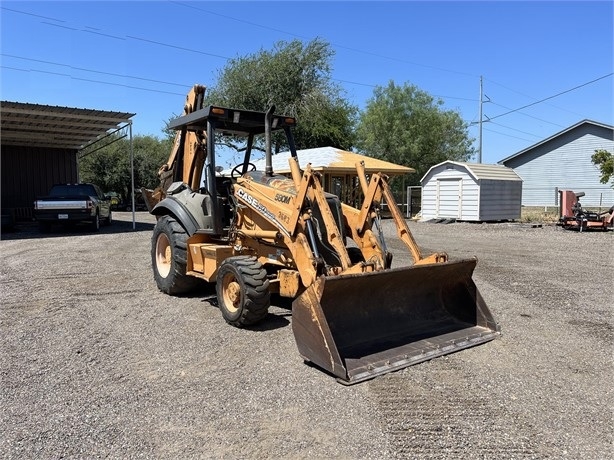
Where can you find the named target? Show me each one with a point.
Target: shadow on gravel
(271, 322)
(30, 230)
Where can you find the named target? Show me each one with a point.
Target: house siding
(564, 162)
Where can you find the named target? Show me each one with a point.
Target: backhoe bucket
(363, 325)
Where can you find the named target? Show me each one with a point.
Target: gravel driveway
(96, 362)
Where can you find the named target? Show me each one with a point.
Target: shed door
(448, 201)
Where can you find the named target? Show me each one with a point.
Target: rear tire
(169, 258)
(96, 222)
(243, 291)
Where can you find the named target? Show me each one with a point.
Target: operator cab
(244, 125)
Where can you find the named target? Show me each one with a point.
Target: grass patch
(541, 214)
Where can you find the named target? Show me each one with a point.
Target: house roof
(481, 171)
(560, 133)
(333, 160)
(34, 125)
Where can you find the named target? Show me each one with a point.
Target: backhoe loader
(254, 233)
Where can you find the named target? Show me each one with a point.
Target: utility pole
(480, 122)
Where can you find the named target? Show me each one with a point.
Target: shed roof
(554, 136)
(482, 171)
(34, 125)
(334, 160)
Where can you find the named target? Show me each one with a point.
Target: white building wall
(428, 207)
(450, 193)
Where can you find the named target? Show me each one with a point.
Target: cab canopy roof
(230, 121)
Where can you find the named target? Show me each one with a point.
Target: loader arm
(311, 188)
(377, 188)
(291, 213)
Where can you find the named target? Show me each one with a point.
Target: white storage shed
(471, 192)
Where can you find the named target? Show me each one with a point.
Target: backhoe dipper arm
(187, 157)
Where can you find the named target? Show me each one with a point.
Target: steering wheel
(236, 171)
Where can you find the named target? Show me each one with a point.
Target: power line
(252, 24)
(375, 86)
(507, 135)
(158, 43)
(530, 97)
(93, 81)
(94, 71)
(336, 45)
(527, 115)
(179, 84)
(553, 96)
(514, 129)
(182, 48)
(30, 14)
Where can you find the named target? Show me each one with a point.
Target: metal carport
(40, 146)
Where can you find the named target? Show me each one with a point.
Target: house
(563, 161)
(471, 192)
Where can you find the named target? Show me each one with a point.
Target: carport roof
(45, 126)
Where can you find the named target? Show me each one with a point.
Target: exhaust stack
(268, 169)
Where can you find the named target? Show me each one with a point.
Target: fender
(169, 205)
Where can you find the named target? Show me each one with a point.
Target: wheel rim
(232, 293)
(163, 255)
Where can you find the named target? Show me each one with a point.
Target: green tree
(296, 78)
(407, 126)
(605, 161)
(109, 167)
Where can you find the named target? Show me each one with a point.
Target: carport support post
(132, 177)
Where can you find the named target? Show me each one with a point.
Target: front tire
(169, 257)
(243, 291)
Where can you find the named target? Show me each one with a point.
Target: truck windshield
(77, 189)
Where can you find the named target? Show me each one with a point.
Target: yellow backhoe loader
(255, 233)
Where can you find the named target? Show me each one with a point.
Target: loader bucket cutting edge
(364, 325)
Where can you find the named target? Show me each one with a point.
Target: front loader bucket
(363, 325)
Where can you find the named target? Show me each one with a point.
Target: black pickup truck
(73, 203)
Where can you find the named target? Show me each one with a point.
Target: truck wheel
(169, 259)
(243, 291)
(96, 222)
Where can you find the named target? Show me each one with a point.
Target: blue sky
(143, 57)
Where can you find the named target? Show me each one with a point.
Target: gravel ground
(96, 362)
